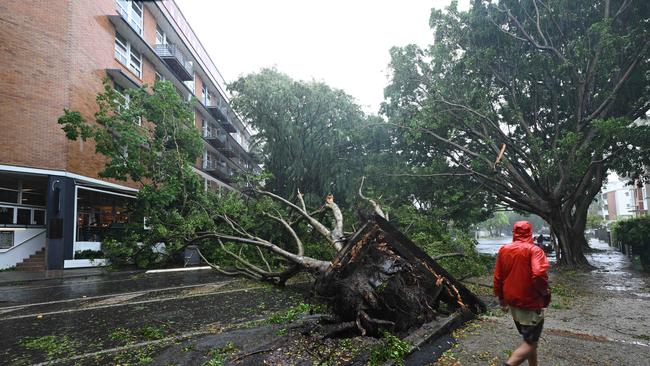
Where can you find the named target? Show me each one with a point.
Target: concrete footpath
(597, 317)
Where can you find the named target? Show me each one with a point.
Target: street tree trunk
(570, 233)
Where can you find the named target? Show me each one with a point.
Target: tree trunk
(571, 240)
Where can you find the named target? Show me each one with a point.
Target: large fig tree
(532, 100)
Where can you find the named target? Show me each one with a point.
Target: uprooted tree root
(381, 280)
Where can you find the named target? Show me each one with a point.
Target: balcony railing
(215, 137)
(228, 151)
(176, 61)
(218, 168)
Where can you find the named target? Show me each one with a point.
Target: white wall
(26, 243)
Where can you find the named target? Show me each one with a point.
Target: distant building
(620, 200)
(55, 55)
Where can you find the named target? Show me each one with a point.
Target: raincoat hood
(522, 231)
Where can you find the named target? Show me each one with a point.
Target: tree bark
(571, 240)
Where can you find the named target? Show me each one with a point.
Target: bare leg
(524, 352)
(532, 359)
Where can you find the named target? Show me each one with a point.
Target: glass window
(8, 196)
(136, 62)
(122, 7)
(24, 216)
(121, 48)
(33, 192)
(132, 13)
(161, 38)
(136, 6)
(126, 55)
(39, 217)
(100, 214)
(6, 215)
(33, 198)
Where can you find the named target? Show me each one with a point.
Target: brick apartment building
(621, 200)
(54, 55)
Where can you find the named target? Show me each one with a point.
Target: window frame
(31, 209)
(160, 35)
(129, 11)
(129, 54)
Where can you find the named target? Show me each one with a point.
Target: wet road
(491, 246)
(99, 285)
(110, 314)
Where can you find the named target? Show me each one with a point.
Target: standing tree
(535, 100)
(305, 130)
(317, 139)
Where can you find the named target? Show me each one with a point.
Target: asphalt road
(102, 319)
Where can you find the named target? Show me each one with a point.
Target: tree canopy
(317, 139)
(534, 100)
(306, 131)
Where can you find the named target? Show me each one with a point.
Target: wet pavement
(596, 317)
(50, 290)
(71, 317)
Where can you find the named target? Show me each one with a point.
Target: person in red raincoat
(521, 285)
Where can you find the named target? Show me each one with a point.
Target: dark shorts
(530, 333)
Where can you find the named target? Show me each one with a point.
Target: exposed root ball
(382, 280)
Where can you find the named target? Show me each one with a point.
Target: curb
(434, 330)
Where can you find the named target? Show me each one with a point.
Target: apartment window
(128, 56)
(132, 12)
(161, 37)
(127, 100)
(121, 49)
(205, 94)
(136, 63)
(158, 77)
(190, 85)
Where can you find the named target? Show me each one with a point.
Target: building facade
(620, 200)
(55, 55)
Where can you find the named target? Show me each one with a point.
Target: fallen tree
(377, 279)
(373, 278)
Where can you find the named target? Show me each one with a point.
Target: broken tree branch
(374, 204)
(337, 232)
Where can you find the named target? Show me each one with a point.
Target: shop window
(33, 194)
(7, 215)
(100, 214)
(24, 216)
(9, 190)
(39, 217)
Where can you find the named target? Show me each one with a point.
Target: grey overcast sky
(343, 43)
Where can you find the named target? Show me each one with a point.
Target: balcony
(215, 137)
(174, 58)
(228, 151)
(220, 113)
(218, 169)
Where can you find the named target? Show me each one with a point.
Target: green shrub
(88, 254)
(635, 233)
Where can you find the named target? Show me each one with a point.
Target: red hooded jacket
(520, 272)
